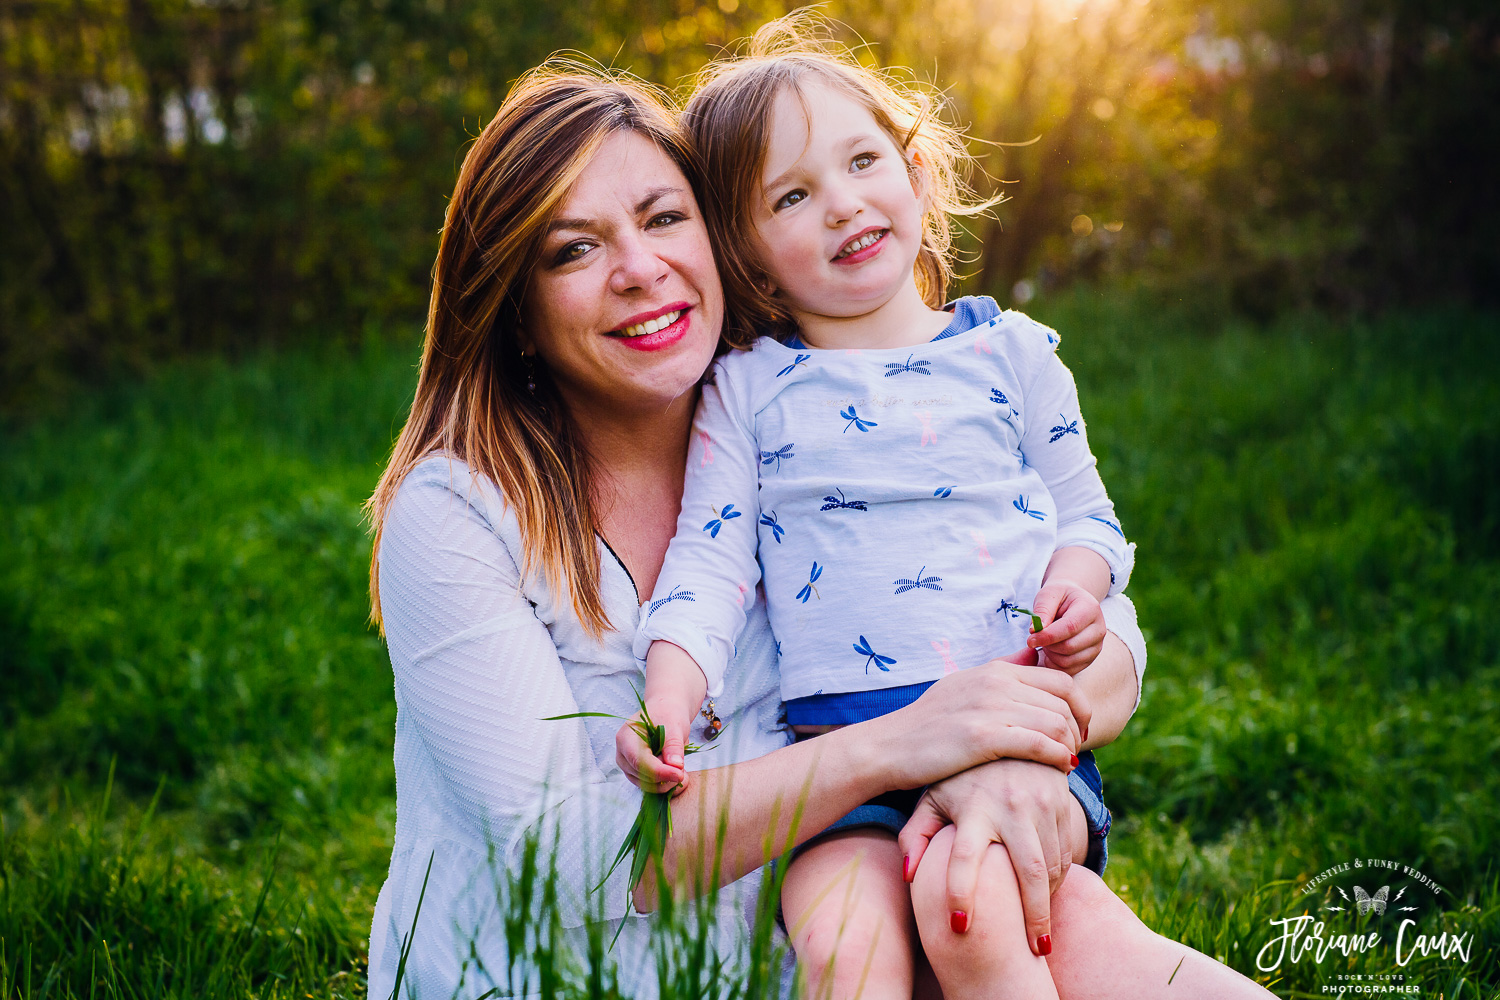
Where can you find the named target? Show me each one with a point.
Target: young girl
(908, 478)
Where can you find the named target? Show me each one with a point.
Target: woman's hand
(998, 709)
(1024, 805)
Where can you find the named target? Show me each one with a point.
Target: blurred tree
(181, 175)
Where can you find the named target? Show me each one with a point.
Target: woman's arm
(1111, 686)
(476, 673)
(731, 820)
(1025, 807)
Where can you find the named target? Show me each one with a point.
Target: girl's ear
(918, 174)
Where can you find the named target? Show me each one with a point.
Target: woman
(526, 510)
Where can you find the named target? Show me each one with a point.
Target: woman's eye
(791, 198)
(664, 219)
(864, 161)
(572, 252)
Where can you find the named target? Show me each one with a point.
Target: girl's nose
(639, 268)
(842, 206)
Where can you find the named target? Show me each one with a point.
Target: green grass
(182, 605)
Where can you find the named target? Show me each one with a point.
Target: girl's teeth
(860, 243)
(652, 325)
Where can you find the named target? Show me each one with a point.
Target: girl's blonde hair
(472, 398)
(728, 119)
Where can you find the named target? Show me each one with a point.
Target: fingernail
(906, 867)
(1085, 733)
(1073, 759)
(1044, 944)
(959, 921)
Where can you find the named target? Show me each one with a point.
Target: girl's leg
(849, 917)
(991, 959)
(1101, 949)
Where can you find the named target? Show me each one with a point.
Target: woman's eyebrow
(584, 225)
(590, 225)
(653, 196)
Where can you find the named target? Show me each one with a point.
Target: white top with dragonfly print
(900, 505)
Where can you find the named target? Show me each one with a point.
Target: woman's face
(625, 305)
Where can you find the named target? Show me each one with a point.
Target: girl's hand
(998, 709)
(1022, 804)
(675, 689)
(645, 770)
(1073, 632)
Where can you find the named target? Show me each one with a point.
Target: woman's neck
(904, 320)
(638, 460)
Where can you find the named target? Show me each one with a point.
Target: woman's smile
(655, 329)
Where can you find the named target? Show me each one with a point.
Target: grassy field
(196, 791)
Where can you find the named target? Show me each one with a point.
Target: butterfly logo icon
(1366, 902)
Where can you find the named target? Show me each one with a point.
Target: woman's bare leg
(848, 914)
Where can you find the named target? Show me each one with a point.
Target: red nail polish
(1044, 944)
(1085, 734)
(906, 867)
(1073, 758)
(959, 921)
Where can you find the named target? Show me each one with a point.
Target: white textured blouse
(481, 655)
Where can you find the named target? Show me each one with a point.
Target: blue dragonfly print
(769, 520)
(784, 452)
(855, 420)
(920, 367)
(1063, 429)
(720, 516)
(943, 492)
(999, 398)
(810, 588)
(833, 503)
(676, 594)
(918, 582)
(1023, 505)
(801, 360)
(1112, 526)
(863, 648)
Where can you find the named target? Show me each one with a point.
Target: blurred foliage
(186, 175)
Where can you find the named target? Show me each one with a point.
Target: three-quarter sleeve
(476, 674)
(1054, 441)
(708, 578)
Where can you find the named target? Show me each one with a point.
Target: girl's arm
(708, 577)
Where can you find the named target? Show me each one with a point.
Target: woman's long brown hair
(472, 400)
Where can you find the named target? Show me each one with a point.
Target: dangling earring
(530, 372)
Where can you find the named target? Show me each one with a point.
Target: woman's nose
(639, 267)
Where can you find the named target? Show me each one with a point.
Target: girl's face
(625, 304)
(839, 225)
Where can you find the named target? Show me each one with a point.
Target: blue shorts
(891, 811)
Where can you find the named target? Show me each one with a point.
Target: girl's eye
(791, 198)
(864, 161)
